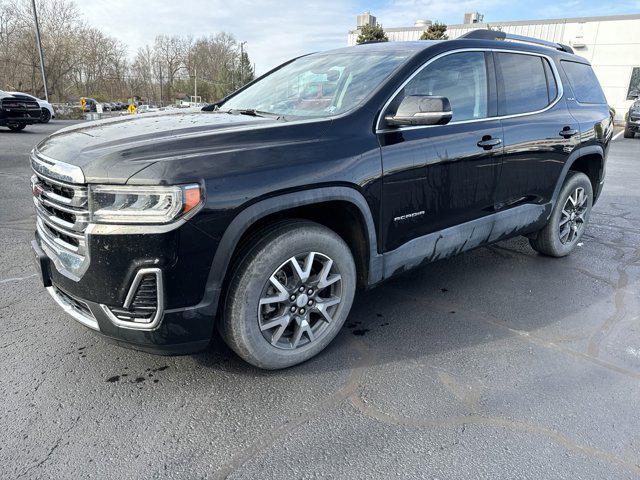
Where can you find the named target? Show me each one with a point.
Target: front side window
(584, 82)
(319, 85)
(634, 84)
(523, 83)
(461, 77)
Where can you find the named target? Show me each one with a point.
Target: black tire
(45, 116)
(548, 240)
(240, 324)
(628, 133)
(16, 128)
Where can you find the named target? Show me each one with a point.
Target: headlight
(132, 204)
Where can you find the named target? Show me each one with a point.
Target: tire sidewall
(574, 181)
(45, 116)
(241, 308)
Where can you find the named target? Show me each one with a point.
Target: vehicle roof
(415, 47)
(391, 47)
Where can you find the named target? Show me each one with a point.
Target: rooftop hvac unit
(578, 42)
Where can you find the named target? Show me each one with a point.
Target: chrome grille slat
(74, 230)
(61, 204)
(79, 198)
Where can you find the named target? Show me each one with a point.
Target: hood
(112, 150)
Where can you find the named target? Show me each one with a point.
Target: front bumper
(20, 117)
(115, 272)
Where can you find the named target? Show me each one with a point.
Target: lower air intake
(143, 306)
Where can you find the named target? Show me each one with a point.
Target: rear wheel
(628, 133)
(289, 296)
(569, 218)
(16, 127)
(45, 116)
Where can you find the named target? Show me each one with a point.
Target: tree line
(81, 61)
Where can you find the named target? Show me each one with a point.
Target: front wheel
(45, 116)
(16, 128)
(628, 133)
(289, 296)
(568, 219)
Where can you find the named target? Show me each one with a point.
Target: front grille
(21, 107)
(62, 210)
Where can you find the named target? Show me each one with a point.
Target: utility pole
(195, 83)
(160, 67)
(44, 77)
(241, 62)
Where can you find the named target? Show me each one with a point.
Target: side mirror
(421, 110)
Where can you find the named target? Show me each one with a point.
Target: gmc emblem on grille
(36, 189)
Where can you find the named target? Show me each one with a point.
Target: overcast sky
(276, 30)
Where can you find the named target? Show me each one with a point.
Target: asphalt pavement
(497, 364)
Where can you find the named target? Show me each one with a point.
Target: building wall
(611, 44)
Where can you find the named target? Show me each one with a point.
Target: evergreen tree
(436, 31)
(372, 33)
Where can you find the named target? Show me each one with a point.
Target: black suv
(17, 111)
(262, 216)
(632, 125)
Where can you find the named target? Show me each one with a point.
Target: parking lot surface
(499, 363)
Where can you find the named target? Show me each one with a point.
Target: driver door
(438, 176)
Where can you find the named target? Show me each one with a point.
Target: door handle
(488, 143)
(568, 132)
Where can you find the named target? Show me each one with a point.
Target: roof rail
(498, 35)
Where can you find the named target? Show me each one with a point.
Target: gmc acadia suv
(262, 215)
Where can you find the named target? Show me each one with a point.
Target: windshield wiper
(252, 112)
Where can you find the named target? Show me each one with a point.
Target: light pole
(242, 44)
(44, 77)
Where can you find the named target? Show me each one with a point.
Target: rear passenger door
(539, 133)
(438, 176)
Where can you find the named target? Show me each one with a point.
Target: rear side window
(523, 83)
(584, 82)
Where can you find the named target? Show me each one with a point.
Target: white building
(610, 43)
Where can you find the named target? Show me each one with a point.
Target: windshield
(319, 85)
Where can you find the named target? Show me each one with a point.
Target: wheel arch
(360, 235)
(589, 160)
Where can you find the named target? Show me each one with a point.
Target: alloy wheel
(299, 300)
(572, 219)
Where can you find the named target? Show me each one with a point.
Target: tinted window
(634, 84)
(523, 83)
(461, 77)
(584, 83)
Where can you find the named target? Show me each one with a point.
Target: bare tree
(80, 60)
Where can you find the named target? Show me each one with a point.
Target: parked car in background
(146, 109)
(18, 110)
(91, 105)
(47, 111)
(261, 215)
(632, 124)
